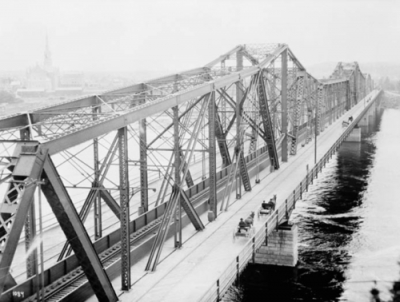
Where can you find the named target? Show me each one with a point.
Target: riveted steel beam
(284, 106)
(212, 159)
(17, 201)
(179, 158)
(69, 220)
(268, 137)
(144, 183)
(301, 82)
(30, 224)
(124, 204)
(98, 228)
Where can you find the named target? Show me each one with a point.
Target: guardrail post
(218, 292)
(266, 233)
(254, 250)
(312, 175)
(307, 179)
(301, 190)
(237, 270)
(277, 219)
(287, 212)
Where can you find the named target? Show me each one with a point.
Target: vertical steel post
(124, 200)
(355, 88)
(144, 195)
(41, 241)
(337, 101)
(347, 95)
(239, 96)
(177, 214)
(223, 102)
(212, 214)
(318, 121)
(98, 229)
(273, 98)
(97, 201)
(284, 106)
(30, 225)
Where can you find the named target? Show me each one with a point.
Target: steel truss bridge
(84, 181)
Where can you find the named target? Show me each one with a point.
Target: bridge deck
(187, 274)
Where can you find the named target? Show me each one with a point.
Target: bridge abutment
(281, 248)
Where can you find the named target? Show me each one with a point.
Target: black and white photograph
(199, 150)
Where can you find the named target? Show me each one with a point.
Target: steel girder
(296, 119)
(239, 109)
(177, 197)
(188, 178)
(267, 122)
(82, 131)
(101, 192)
(124, 204)
(17, 201)
(191, 212)
(43, 114)
(30, 226)
(34, 167)
(144, 182)
(284, 106)
(97, 191)
(98, 228)
(214, 127)
(81, 134)
(75, 232)
(179, 158)
(158, 242)
(221, 137)
(320, 120)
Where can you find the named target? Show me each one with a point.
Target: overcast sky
(177, 35)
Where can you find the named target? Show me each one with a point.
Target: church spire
(48, 64)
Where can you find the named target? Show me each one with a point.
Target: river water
(348, 226)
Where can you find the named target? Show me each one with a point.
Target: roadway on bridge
(186, 274)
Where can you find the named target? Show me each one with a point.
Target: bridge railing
(281, 214)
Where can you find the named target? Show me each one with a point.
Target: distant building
(72, 79)
(46, 80)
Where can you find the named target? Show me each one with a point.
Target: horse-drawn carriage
(348, 122)
(267, 208)
(245, 227)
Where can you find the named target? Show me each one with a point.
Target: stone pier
(281, 248)
(355, 135)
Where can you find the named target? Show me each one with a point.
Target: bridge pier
(363, 121)
(355, 135)
(281, 247)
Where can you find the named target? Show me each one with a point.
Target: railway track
(63, 287)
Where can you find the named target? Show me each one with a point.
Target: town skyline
(179, 35)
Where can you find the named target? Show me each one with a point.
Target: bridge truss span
(114, 167)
